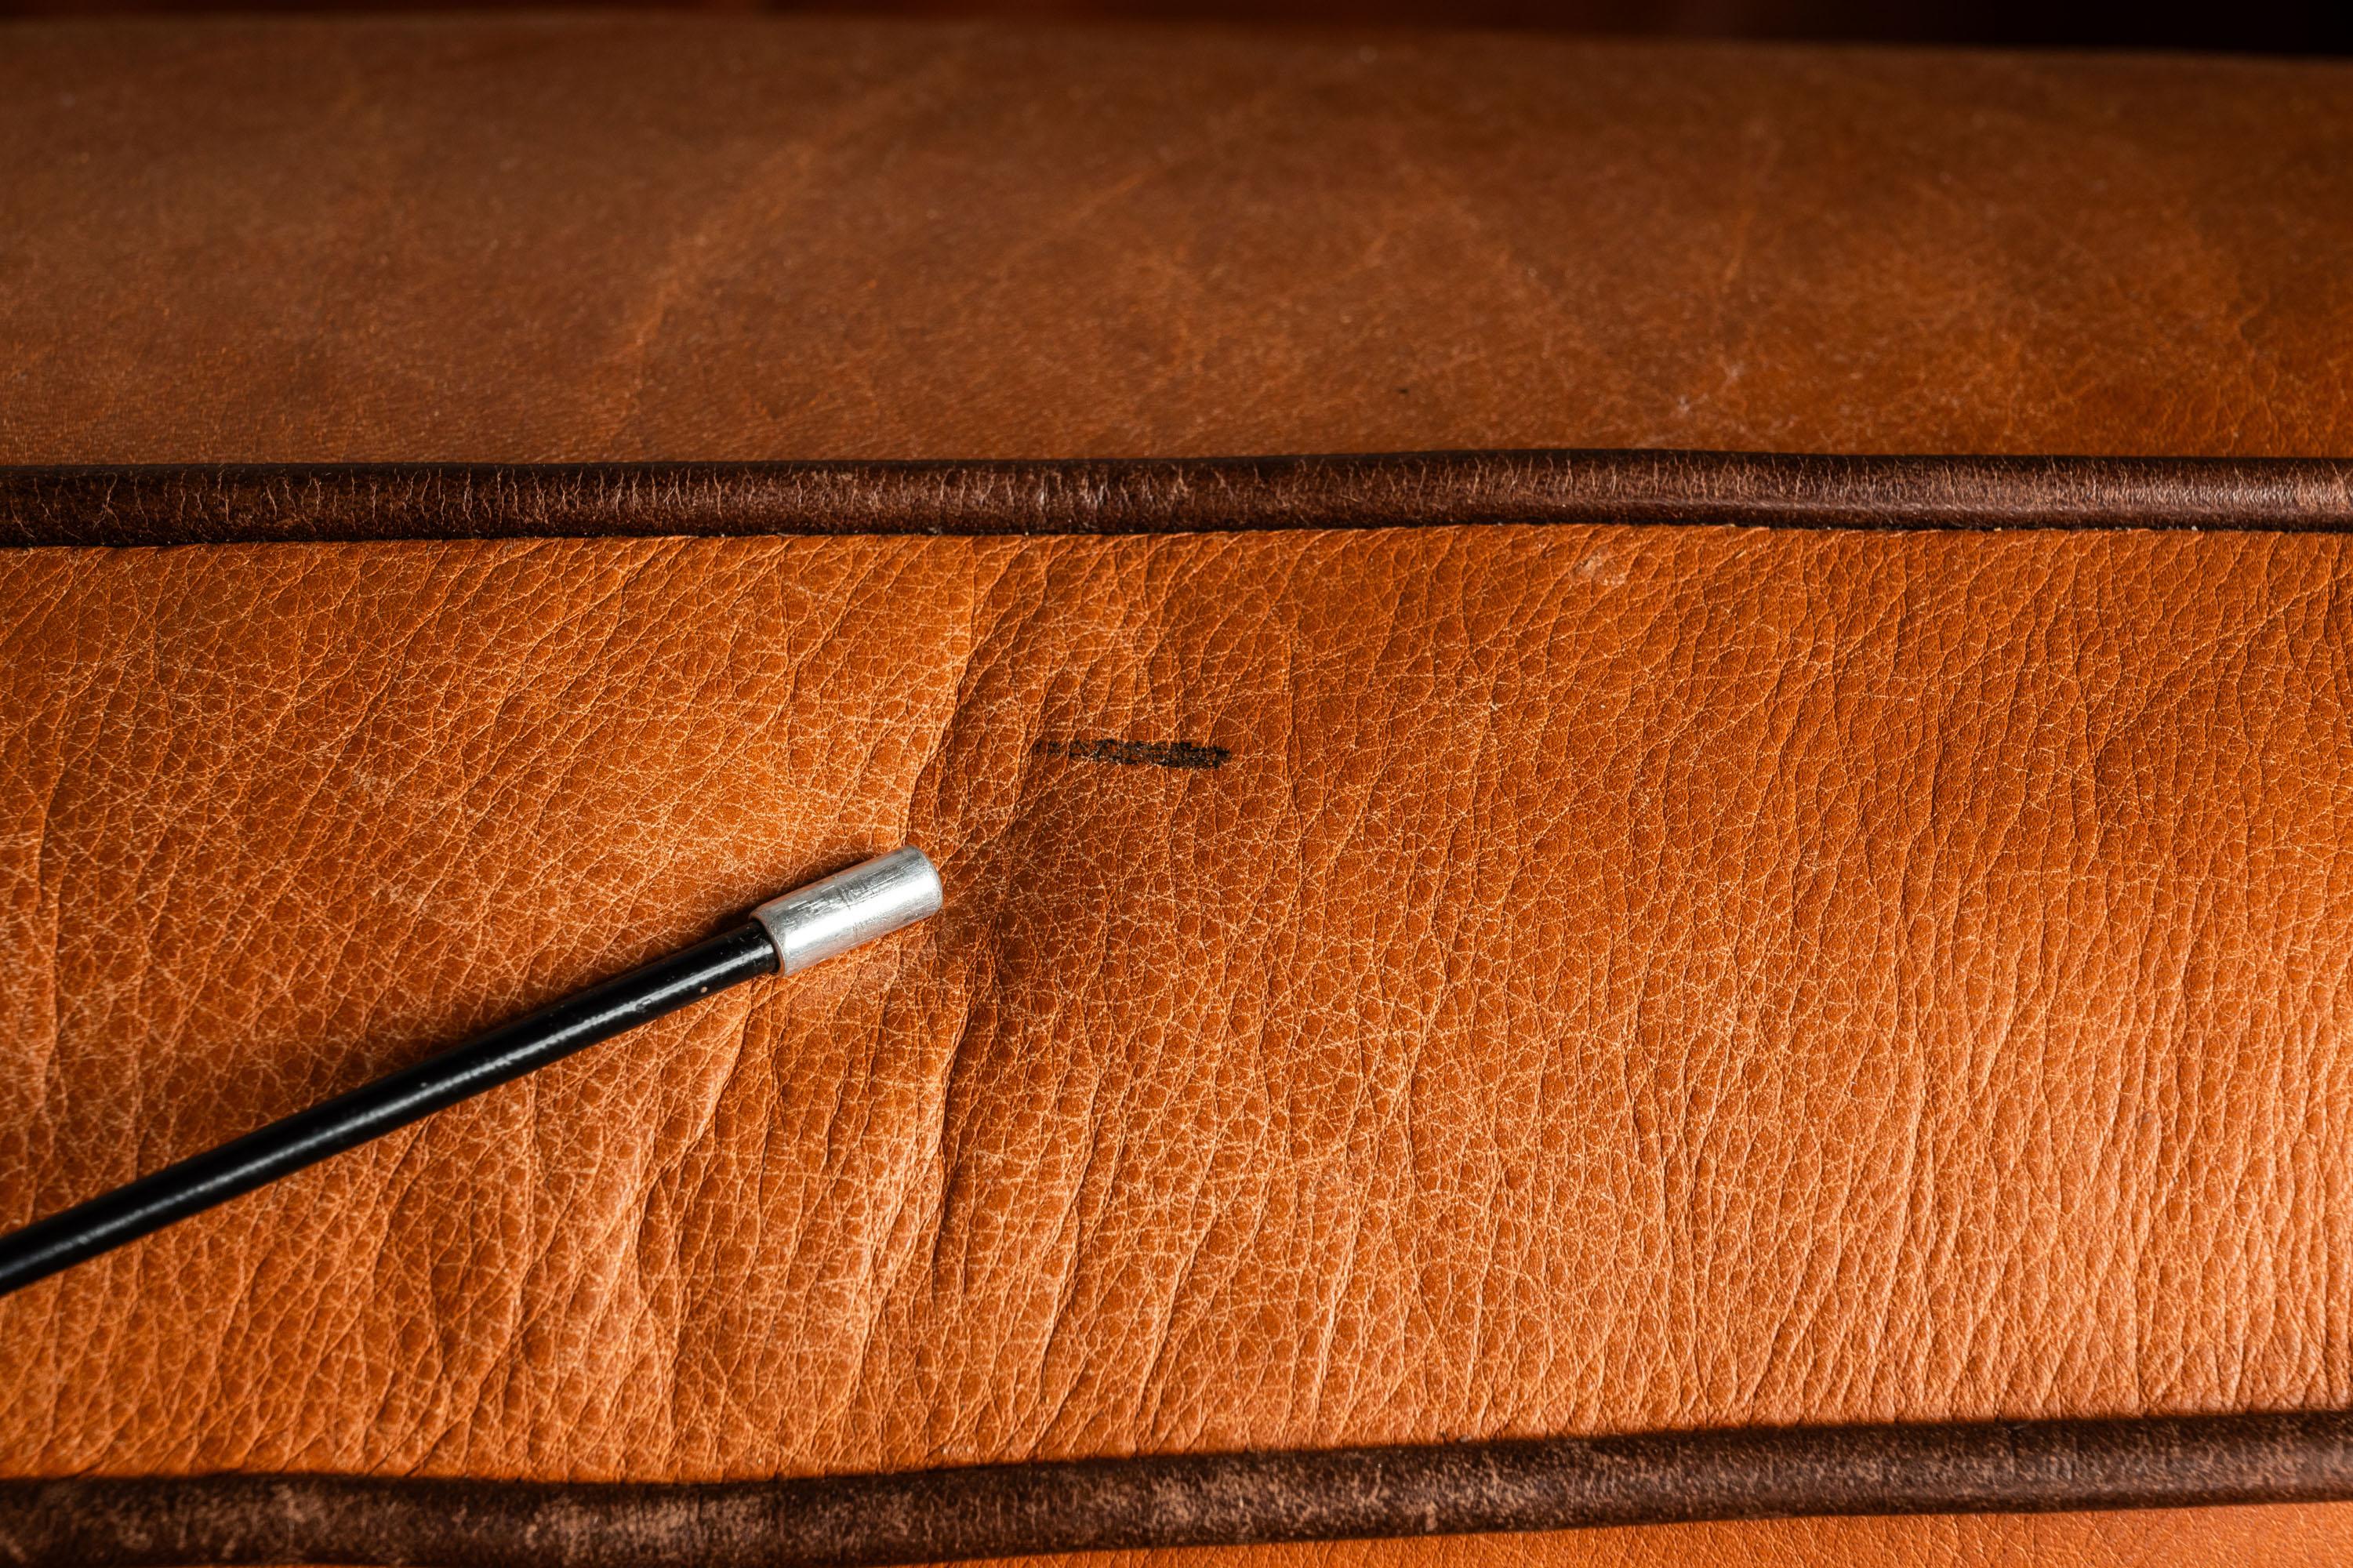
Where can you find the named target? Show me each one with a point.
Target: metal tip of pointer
(872, 898)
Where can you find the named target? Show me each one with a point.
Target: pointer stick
(783, 936)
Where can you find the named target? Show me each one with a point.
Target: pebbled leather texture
(1622, 979)
(533, 239)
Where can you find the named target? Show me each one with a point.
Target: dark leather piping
(1189, 1501)
(131, 506)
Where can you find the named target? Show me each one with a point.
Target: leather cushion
(604, 238)
(1620, 978)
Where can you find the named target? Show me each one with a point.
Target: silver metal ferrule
(872, 898)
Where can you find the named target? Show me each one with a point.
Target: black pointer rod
(783, 936)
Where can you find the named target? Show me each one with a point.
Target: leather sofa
(1754, 922)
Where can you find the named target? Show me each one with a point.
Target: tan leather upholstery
(633, 237)
(1620, 978)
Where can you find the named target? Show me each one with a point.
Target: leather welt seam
(194, 505)
(1185, 1500)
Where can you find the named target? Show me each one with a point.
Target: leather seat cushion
(1617, 978)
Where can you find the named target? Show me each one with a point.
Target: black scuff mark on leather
(1139, 754)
